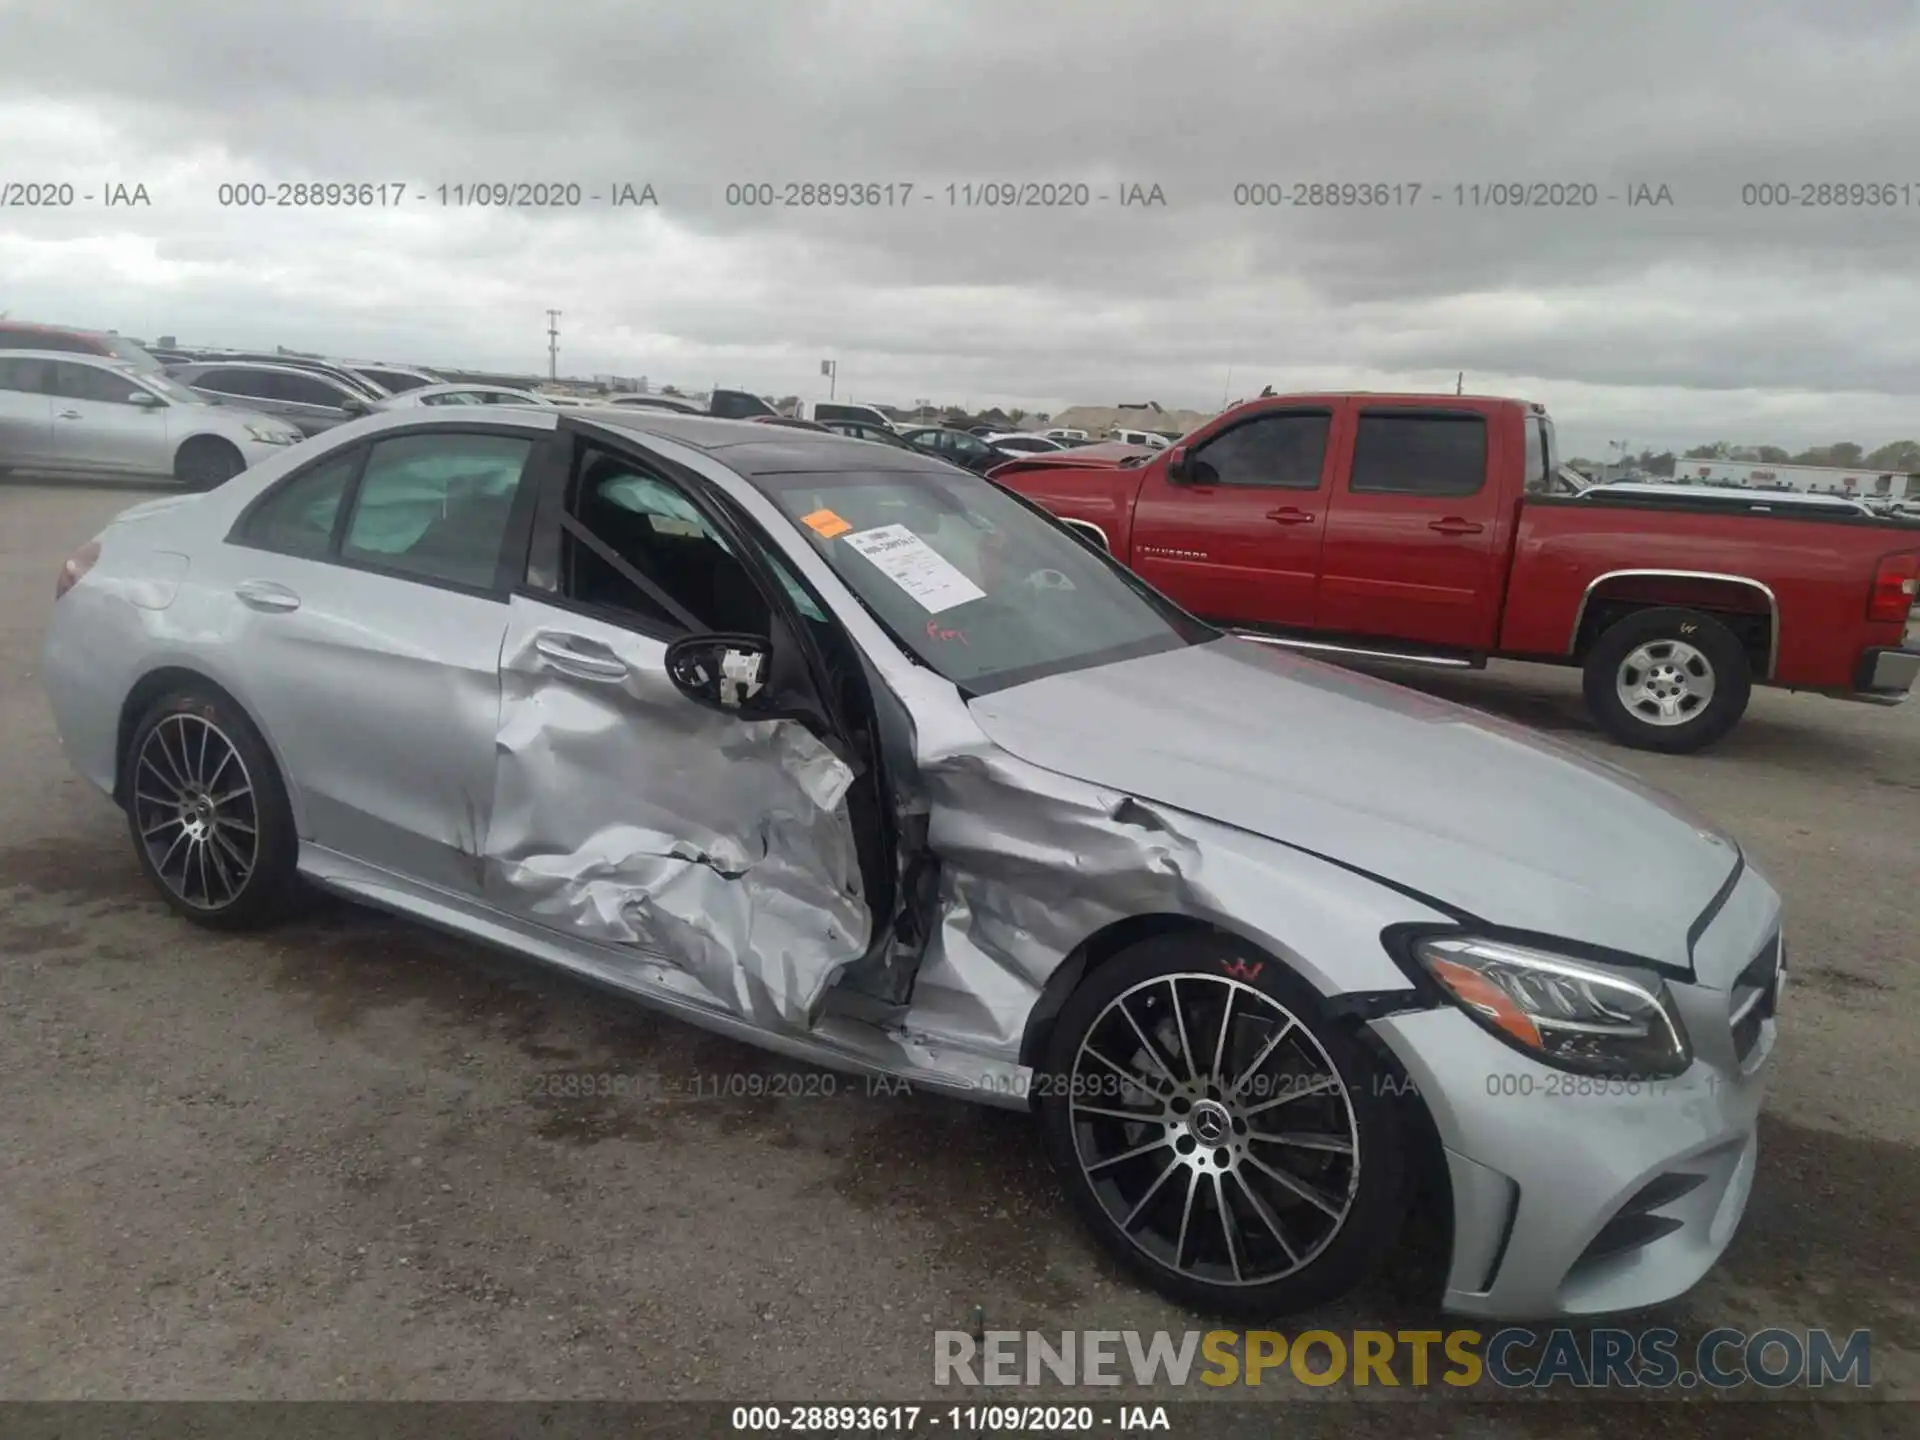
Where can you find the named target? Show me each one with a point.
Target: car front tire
(1669, 679)
(205, 462)
(1220, 1135)
(209, 815)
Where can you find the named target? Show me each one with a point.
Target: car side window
(303, 390)
(31, 377)
(1280, 452)
(86, 382)
(248, 383)
(1419, 454)
(437, 506)
(298, 518)
(660, 534)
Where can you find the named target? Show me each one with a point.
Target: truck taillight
(1895, 585)
(78, 564)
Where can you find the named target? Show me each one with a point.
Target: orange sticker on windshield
(825, 524)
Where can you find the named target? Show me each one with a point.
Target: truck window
(1282, 452)
(1538, 468)
(1411, 453)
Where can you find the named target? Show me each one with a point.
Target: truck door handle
(71, 415)
(559, 651)
(1290, 515)
(265, 595)
(1454, 525)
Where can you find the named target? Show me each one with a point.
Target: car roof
(754, 449)
(250, 365)
(33, 328)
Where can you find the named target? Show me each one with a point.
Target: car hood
(1481, 815)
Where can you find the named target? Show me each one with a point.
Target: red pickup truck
(1441, 529)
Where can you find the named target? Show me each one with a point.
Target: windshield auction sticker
(825, 524)
(934, 582)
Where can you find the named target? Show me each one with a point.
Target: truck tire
(1669, 679)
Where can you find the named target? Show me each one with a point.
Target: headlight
(271, 435)
(1566, 1013)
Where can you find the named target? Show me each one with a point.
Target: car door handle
(265, 595)
(1454, 525)
(71, 415)
(559, 651)
(1291, 515)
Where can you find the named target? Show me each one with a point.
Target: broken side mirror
(727, 673)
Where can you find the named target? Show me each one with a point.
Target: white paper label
(916, 567)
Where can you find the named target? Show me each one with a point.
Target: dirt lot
(325, 1162)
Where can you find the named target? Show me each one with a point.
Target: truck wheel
(1669, 679)
(1218, 1133)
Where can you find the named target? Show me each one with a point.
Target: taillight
(78, 564)
(1895, 585)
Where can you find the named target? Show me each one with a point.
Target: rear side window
(1284, 452)
(437, 506)
(234, 382)
(73, 381)
(301, 389)
(1538, 473)
(1419, 454)
(298, 518)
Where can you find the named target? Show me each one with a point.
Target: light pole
(831, 369)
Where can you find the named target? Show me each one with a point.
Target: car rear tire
(208, 813)
(1219, 1134)
(1670, 680)
(204, 462)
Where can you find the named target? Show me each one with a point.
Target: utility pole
(1459, 383)
(1227, 390)
(831, 369)
(553, 344)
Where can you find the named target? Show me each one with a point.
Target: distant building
(1860, 481)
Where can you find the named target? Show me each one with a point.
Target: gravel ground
(328, 1162)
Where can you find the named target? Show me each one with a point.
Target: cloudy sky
(1705, 318)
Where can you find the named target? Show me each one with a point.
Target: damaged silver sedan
(860, 758)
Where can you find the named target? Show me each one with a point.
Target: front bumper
(1886, 674)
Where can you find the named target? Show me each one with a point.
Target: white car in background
(1021, 442)
(463, 395)
(1140, 437)
(65, 413)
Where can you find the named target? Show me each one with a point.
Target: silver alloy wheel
(1171, 1089)
(1665, 682)
(194, 807)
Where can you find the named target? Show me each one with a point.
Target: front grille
(1756, 995)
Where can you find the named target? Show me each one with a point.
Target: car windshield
(973, 582)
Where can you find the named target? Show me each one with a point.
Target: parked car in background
(962, 448)
(461, 395)
(836, 750)
(827, 411)
(16, 335)
(860, 430)
(1438, 528)
(737, 405)
(396, 379)
(656, 402)
(64, 413)
(1066, 437)
(791, 422)
(358, 384)
(1153, 440)
(306, 398)
(1019, 442)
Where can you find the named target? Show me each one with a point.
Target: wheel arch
(1748, 606)
(157, 682)
(1429, 1180)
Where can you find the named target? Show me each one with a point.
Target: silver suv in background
(305, 398)
(66, 413)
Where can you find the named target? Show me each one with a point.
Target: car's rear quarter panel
(1819, 571)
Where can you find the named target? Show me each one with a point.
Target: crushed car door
(626, 814)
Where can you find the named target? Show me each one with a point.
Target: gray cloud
(1685, 321)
